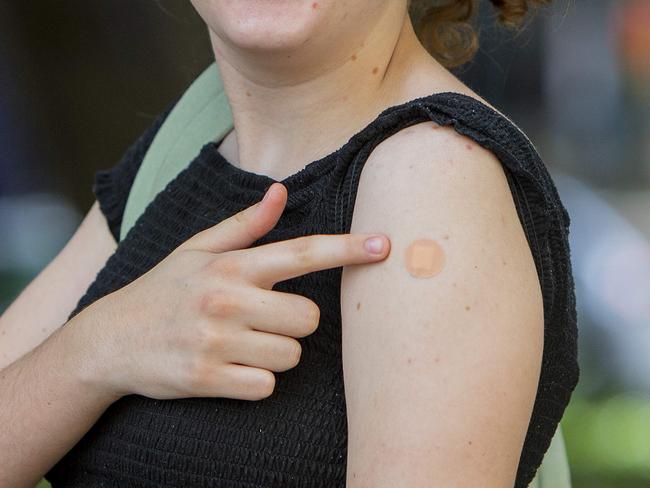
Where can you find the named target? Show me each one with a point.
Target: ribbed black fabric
(298, 436)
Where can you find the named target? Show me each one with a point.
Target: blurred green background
(79, 81)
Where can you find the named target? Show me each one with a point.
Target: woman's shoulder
(451, 169)
(465, 156)
(450, 166)
(443, 98)
(445, 118)
(449, 183)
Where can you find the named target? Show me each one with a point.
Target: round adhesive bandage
(424, 258)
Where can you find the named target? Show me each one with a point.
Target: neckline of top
(298, 183)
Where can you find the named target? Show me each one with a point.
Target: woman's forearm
(49, 399)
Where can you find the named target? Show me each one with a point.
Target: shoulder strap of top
(201, 115)
(468, 116)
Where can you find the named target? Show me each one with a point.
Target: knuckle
(303, 250)
(204, 340)
(225, 264)
(214, 339)
(219, 303)
(228, 306)
(206, 302)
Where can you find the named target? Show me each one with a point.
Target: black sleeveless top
(297, 437)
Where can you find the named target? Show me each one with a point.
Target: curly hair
(446, 27)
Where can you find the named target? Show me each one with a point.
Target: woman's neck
(290, 108)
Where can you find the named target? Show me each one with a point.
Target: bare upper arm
(441, 372)
(45, 304)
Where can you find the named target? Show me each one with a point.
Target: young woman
(231, 342)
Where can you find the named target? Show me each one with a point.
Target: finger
(267, 264)
(263, 350)
(243, 382)
(245, 227)
(280, 313)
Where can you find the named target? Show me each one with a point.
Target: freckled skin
(353, 57)
(374, 70)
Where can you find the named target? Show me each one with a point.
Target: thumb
(244, 227)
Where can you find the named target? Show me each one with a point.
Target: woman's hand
(205, 322)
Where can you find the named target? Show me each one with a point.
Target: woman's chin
(266, 42)
(262, 25)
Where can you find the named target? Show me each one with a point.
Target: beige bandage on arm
(424, 258)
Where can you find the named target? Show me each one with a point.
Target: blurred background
(79, 82)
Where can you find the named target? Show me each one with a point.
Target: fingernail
(374, 245)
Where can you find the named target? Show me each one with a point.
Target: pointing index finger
(279, 261)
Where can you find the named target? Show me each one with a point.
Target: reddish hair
(446, 28)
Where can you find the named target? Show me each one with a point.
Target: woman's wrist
(84, 340)
(63, 381)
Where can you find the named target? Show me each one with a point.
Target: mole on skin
(424, 258)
